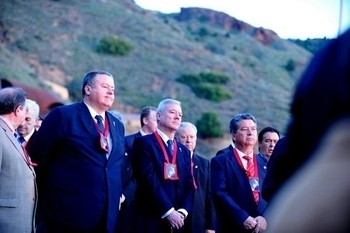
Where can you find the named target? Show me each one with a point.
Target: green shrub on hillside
(207, 85)
(291, 65)
(114, 46)
(212, 77)
(208, 77)
(211, 92)
(189, 79)
(209, 126)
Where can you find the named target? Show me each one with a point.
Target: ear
(233, 136)
(145, 121)
(87, 89)
(16, 112)
(158, 116)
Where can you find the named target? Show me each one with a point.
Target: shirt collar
(94, 113)
(142, 132)
(163, 136)
(241, 154)
(29, 135)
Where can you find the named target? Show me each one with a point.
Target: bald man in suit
(17, 177)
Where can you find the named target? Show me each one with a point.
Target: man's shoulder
(223, 156)
(133, 136)
(200, 158)
(225, 150)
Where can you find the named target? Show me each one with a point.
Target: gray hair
(237, 118)
(31, 104)
(161, 105)
(185, 124)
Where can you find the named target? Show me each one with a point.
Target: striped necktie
(251, 174)
(100, 125)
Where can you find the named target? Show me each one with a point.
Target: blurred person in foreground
(148, 123)
(162, 168)
(203, 217)
(18, 194)
(308, 182)
(236, 177)
(79, 149)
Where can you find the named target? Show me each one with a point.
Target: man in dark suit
(267, 139)
(203, 217)
(18, 194)
(79, 149)
(236, 177)
(148, 123)
(162, 167)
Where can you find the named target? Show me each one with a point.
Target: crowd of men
(86, 176)
(78, 172)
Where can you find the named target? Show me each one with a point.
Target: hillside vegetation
(61, 40)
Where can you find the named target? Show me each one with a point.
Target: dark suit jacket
(155, 195)
(203, 214)
(31, 139)
(129, 184)
(227, 149)
(81, 186)
(126, 214)
(232, 195)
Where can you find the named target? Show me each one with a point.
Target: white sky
(297, 19)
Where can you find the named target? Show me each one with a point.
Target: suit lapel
(113, 134)
(87, 120)
(13, 140)
(196, 167)
(238, 170)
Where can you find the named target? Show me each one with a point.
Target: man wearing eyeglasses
(17, 177)
(79, 150)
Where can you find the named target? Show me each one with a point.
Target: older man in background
(26, 130)
(203, 217)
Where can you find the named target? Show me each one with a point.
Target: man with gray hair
(26, 130)
(236, 178)
(203, 217)
(162, 168)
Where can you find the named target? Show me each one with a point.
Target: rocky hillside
(57, 40)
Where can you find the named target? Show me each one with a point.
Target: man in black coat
(203, 218)
(79, 149)
(148, 123)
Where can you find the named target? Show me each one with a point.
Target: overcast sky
(297, 19)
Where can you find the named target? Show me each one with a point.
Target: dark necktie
(100, 125)
(170, 144)
(21, 140)
(251, 174)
